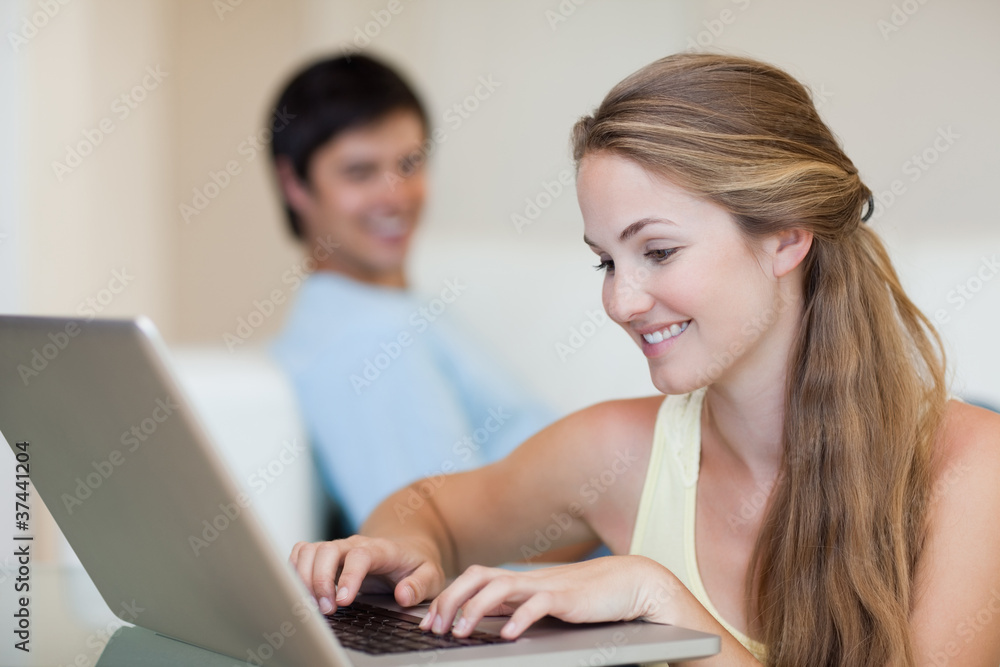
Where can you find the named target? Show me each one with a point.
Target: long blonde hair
(830, 580)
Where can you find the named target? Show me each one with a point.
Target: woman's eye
(660, 254)
(605, 265)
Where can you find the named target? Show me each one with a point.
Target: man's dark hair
(329, 97)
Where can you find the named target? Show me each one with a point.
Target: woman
(807, 490)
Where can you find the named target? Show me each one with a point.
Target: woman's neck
(746, 428)
(744, 412)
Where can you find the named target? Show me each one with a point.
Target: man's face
(364, 195)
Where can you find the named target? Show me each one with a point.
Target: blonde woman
(806, 489)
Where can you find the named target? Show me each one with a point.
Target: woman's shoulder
(959, 574)
(966, 466)
(970, 435)
(619, 412)
(597, 436)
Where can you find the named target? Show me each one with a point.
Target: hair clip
(871, 208)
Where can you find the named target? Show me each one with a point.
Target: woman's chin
(675, 383)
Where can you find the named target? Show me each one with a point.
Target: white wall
(102, 211)
(885, 91)
(886, 96)
(11, 79)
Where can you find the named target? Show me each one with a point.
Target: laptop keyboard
(375, 630)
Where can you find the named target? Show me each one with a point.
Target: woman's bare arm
(956, 615)
(577, 480)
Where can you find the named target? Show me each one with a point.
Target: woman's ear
(295, 193)
(787, 249)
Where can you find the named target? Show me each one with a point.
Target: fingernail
(509, 629)
(426, 622)
(325, 605)
(342, 594)
(461, 626)
(409, 595)
(438, 624)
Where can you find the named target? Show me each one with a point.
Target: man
(389, 391)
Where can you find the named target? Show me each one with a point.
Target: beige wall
(887, 97)
(104, 211)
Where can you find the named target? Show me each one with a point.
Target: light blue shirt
(390, 392)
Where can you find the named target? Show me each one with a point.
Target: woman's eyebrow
(636, 226)
(634, 229)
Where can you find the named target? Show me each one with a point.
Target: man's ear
(788, 248)
(295, 192)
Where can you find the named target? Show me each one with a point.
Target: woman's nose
(626, 297)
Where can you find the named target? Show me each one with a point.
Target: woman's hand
(334, 572)
(613, 588)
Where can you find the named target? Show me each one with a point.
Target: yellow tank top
(664, 527)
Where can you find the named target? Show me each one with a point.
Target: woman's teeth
(669, 332)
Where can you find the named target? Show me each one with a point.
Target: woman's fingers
(566, 592)
(326, 560)
(357, 565)
(533, 609)
(425, 582)
(303, 556)
(504, 589)
(334, 572)
(443, 609)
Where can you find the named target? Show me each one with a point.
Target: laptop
(171, 542)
